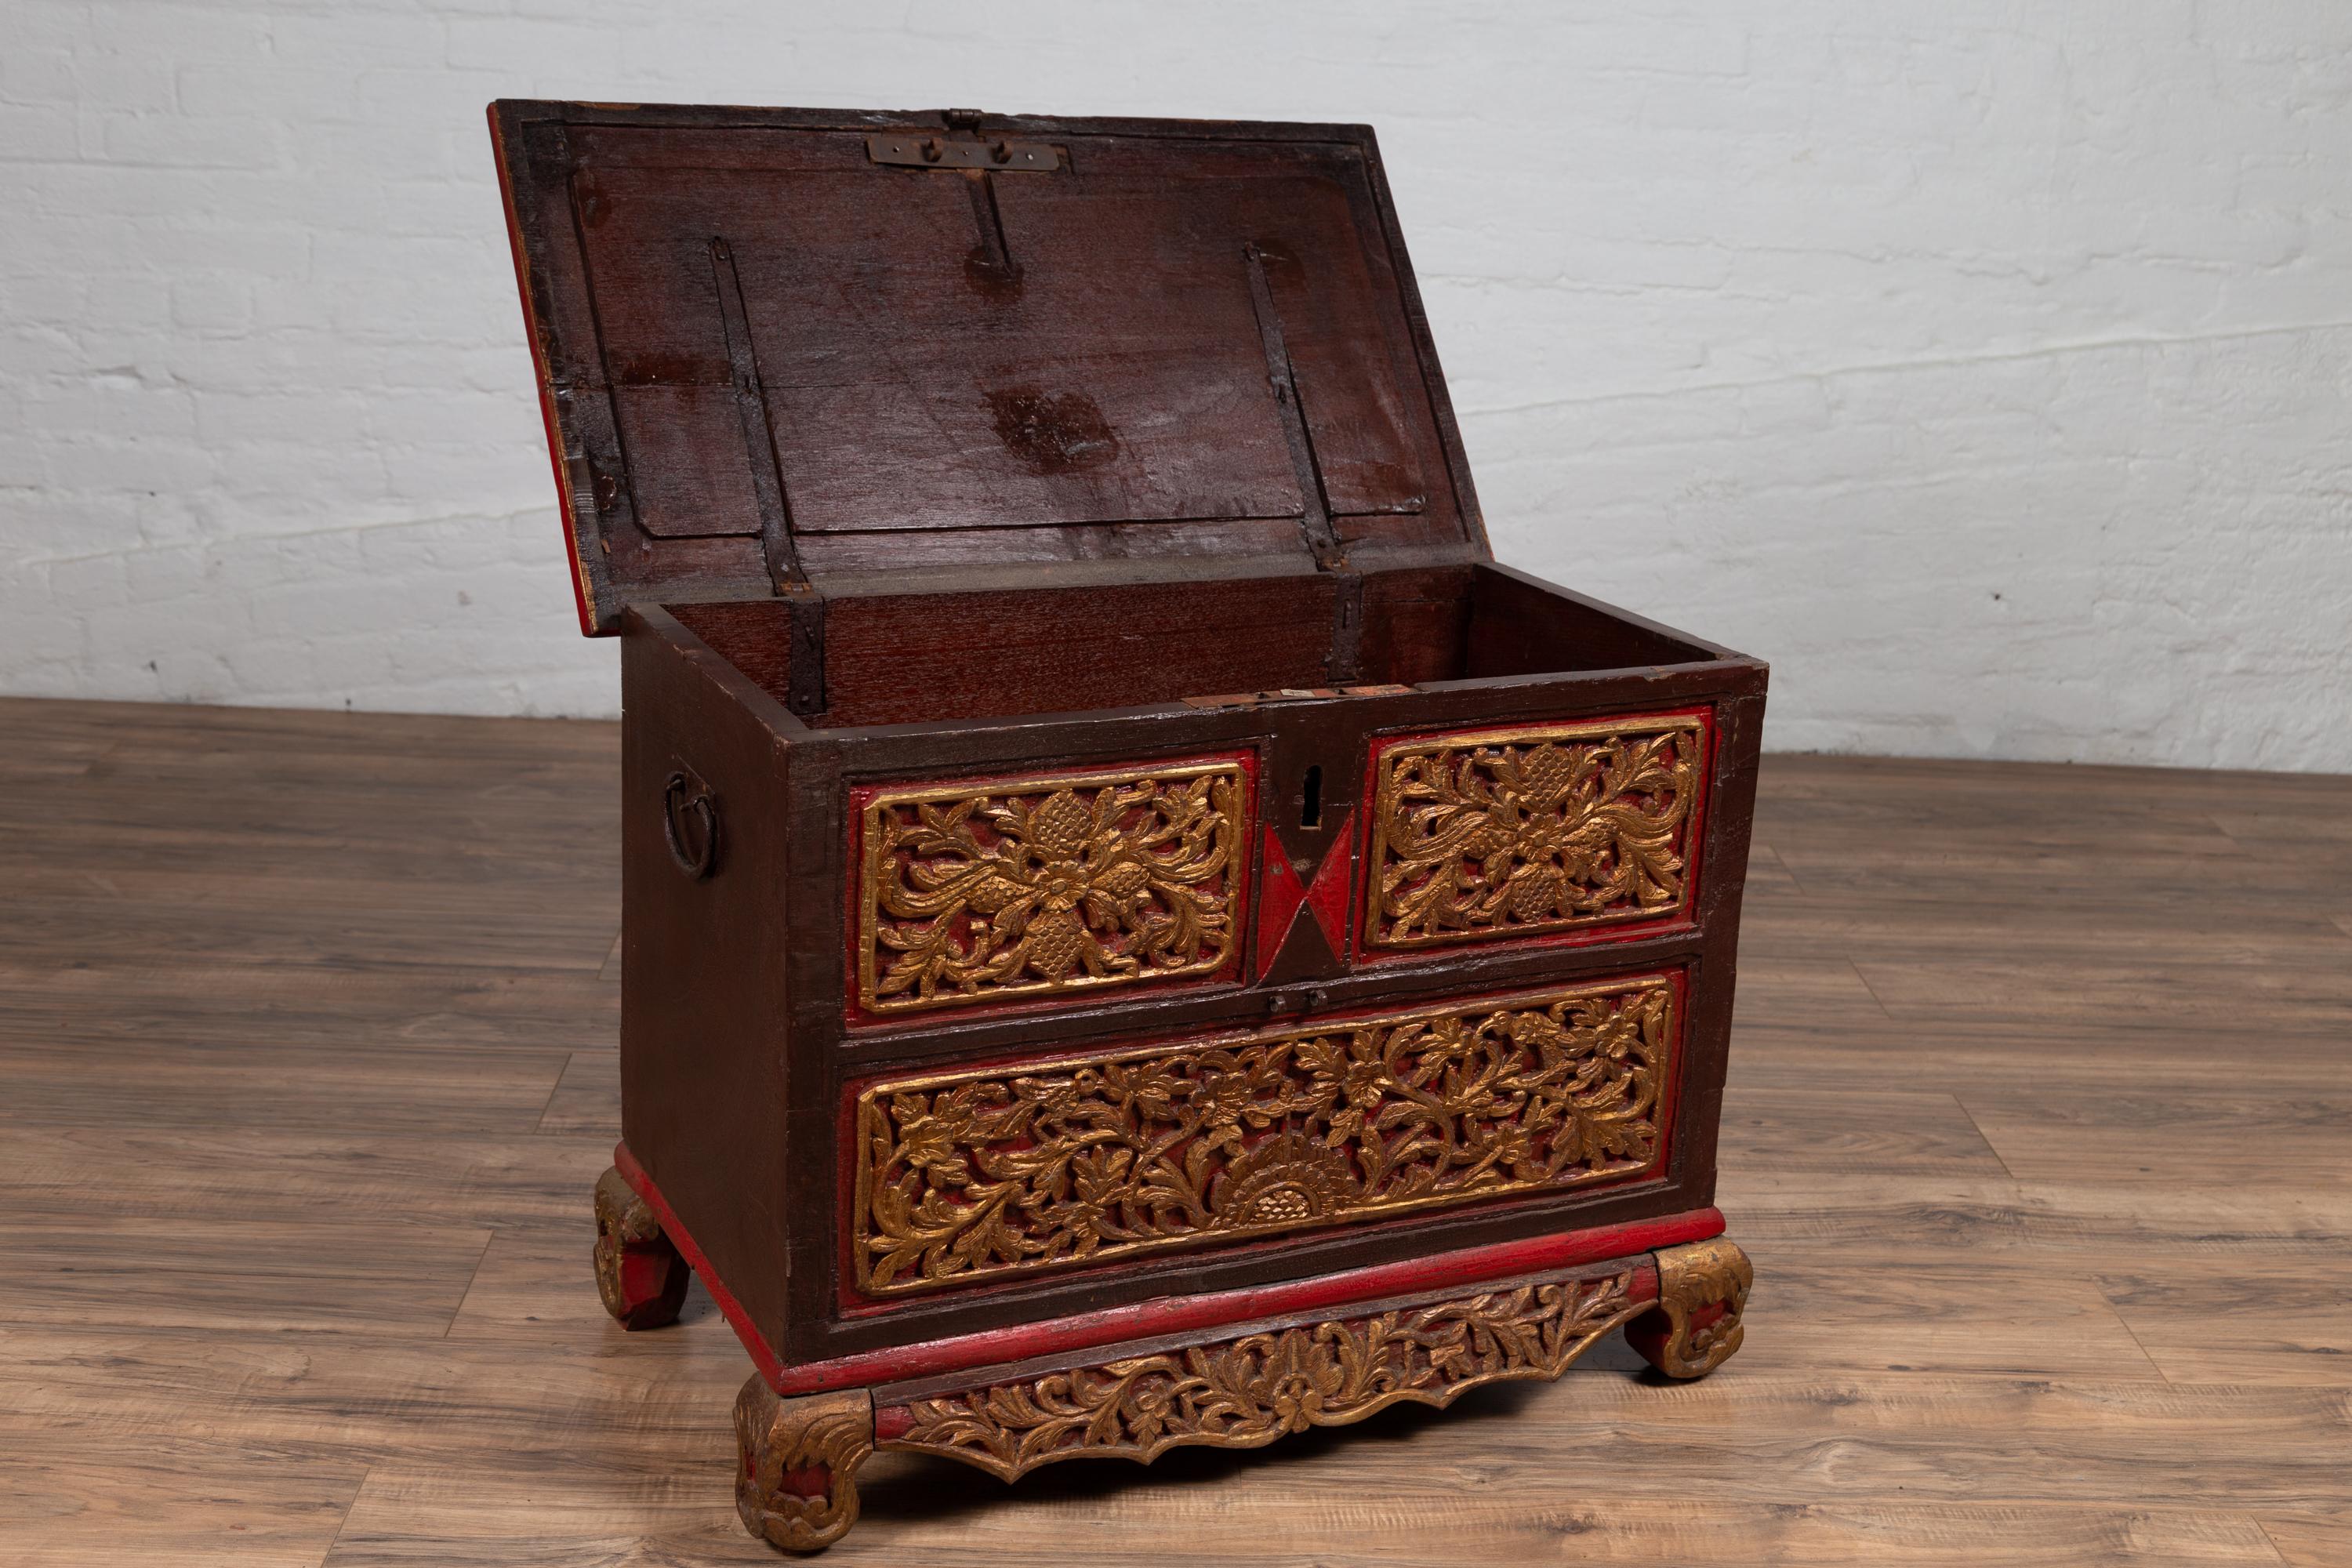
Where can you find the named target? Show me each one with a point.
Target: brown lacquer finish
(769, 355)
(1099, 830)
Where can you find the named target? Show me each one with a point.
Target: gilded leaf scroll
(1248, 1392)
(976, 1175)
(1045, 886)
(1515, 833)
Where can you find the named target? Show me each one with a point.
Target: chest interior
(943, 656)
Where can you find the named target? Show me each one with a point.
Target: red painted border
(1363, 954)
(1177, 1314)
(1235, 969)
(1172, 1314)
(764, 1356)
(1332, 893)
(1280, 894)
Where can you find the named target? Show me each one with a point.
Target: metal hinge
(1315, 515)
(803, 602)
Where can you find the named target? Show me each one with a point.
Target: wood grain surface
(2039, 1133)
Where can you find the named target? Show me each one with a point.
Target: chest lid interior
(794, 351)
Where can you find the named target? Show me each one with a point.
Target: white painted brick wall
(1984, 365)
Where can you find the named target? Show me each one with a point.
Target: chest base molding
(1234, 1369)
(652, 1229)
(1243, 1387)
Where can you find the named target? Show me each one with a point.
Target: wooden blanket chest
(1136, 931)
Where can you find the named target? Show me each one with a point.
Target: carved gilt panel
(1246, 1392)
(1512, 833)
(968, 1176)
(1048, 887)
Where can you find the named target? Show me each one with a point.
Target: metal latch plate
(924, 151)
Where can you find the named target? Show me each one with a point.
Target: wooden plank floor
(2040, 1134)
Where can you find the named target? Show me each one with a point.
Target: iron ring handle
(683, 791)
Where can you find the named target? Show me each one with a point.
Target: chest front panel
(1034, 890)
(1085, 1010)
(1042, 1165)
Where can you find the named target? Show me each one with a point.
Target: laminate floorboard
(2039, 1131)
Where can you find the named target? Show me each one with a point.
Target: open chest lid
(787, 351)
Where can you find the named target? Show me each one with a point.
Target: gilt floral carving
(796, 1483)
(1247, 1392)
(1514, 833)
(1700, 1318)
(1049, 886)
(981, 1175)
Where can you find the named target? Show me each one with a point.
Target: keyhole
(1310, 799)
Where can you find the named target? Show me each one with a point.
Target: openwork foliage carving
(1247, 1392)
(1049, 886)
(1520, 831)
(980, 1174)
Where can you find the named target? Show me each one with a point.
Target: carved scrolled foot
(797, 1486)
(1695, 1326)
(640, 1274)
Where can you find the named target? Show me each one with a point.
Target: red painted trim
(546, 384)
(1279, 894)
(1327, 897)
(1641, 1289)
(764, 1356)
(1213, 1309)
(1244, 878)
(1166, 1314)
(1363, 954)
